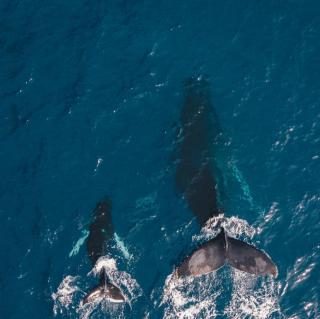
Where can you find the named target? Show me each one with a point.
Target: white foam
(64, 297)
(108, 309)
(233, 226)
(252, 297)
(99, 162)
(190, 297)
(69, 295)
(128, 285)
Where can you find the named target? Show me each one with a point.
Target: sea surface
(91, 93)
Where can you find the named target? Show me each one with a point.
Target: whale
(197, 179)
(100, 232)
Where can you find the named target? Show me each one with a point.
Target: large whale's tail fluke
(248, 258)
(208, 257)
(106, 291)
(213, 254)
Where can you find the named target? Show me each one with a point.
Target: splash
(196, 297)
(71, 291)
(65, 297)
(234, 227)
(252, 297)
(92, 310)
(128, 285)
(190, 297)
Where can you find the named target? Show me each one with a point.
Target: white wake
(190, 297)
(197, 297)
(67, 299)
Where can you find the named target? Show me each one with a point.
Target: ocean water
(91, 94)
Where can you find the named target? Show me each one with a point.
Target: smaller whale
(100, 231)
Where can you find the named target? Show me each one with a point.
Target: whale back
(194, 174)
(100, 230)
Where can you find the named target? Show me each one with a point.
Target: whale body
(196, 179)
(100, 232)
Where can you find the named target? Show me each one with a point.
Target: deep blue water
(91, 96)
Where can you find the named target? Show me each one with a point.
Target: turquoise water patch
(79, 243)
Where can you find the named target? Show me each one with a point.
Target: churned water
(91, 93)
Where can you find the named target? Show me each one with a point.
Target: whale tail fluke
(106, 291)
(213, 254)
(208, 257)
(248, 258)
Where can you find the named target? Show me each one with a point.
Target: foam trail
(92, 310)
(190, 297)
(67, 299)
(64, 299)
(252, 297)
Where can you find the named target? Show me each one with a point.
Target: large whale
(196, 179)
(100, 232)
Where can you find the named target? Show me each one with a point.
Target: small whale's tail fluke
(213, 254)
(106, 291)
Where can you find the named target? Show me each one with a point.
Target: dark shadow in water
(194, 173)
